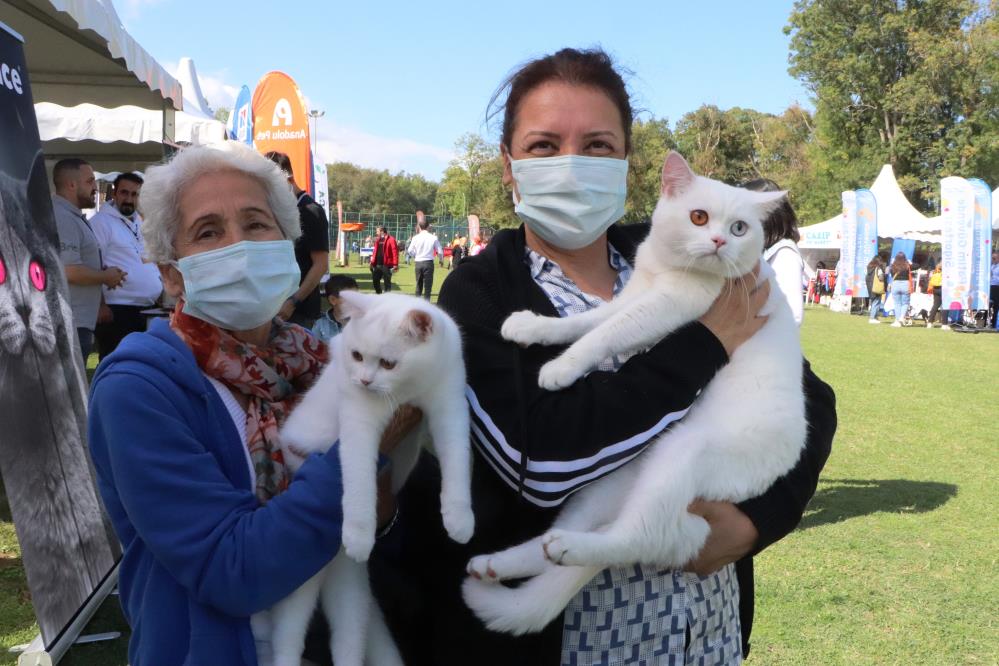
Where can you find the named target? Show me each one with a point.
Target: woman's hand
(732, 536)
(403, 421)
(734, 316)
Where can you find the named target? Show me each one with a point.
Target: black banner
(66, 546)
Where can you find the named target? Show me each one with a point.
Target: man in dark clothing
(384, 260)
(312, 251)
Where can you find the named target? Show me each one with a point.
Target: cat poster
(67, 547)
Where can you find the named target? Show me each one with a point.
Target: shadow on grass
(842, 499)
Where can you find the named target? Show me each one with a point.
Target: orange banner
(281, 122)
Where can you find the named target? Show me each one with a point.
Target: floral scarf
(272, 377)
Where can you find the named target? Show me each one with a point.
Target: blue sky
(400, 81)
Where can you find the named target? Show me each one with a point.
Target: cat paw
(558, 374)
(560, 548)
(358, 540)
(459, 521)
(480, 567)
(524, 328)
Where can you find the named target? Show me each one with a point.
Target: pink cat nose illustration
(718, 241)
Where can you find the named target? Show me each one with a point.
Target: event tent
(77, 51)
(126, 137)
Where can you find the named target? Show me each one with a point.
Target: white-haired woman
(184, 418)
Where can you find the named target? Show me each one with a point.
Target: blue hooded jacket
(200, 552)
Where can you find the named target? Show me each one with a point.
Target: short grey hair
(165, 182)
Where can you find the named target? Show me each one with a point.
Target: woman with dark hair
(566, 137)
(900, 270)
(780, 243)
(875, 286)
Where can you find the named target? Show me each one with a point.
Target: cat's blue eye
(388, 365)
(356, 355)
(739, 228)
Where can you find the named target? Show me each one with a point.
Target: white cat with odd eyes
(745, 430)
(395, 350)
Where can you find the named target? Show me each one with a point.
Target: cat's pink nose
(718, 241)
(366, 382)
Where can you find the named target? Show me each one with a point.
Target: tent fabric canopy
(822, 236)
(129, 124)
(77, 51)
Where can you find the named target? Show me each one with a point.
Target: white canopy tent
(78, 53)
(127, 137)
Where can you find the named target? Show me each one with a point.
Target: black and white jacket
(534, 448)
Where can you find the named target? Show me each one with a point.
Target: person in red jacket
(384, 260)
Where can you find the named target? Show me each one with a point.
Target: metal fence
(402, 227)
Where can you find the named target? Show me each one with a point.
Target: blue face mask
(569, 201)
(241, 286)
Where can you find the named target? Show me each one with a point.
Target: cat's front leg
(449, 429)
(527, 328)
(359, 462)
(521, 561)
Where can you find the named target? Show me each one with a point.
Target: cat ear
(418, 325)
(677, 175)
(354, 304)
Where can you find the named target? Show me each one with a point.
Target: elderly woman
(184, 418)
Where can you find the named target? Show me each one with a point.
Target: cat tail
(530, 607)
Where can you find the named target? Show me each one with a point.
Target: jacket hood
(159, 349)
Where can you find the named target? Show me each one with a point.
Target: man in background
(384, 260)
(423, 246)
(118, 228)
(79, 251)
(312, 251)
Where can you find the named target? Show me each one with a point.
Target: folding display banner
(321, 187)
(847, 279)
(67, 547)
(281, 123)
(473, 229)
(866, 240)
(240, 124)
(957, 198)
(981, 243)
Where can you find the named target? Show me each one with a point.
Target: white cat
(396, 350)
(745, 430)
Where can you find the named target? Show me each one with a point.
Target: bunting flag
(281, 123)
(981, 243)
(240, 124)
(957, 198)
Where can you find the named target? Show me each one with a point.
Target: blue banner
(981, 245)
(957, 198)
(866, 239)
(906, 247)
(240, 125)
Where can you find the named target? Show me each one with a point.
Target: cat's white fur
(746, 429)
(353, 400)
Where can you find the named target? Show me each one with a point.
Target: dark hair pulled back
(589, 67)
(782, 222)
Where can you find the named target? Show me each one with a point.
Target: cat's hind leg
(290, 621)
(382, 650)
(346, 598)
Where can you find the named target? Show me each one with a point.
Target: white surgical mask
(569, 201)
(241, 286)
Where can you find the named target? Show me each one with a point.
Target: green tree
(651, 140)
(909, 82)
(378, 191)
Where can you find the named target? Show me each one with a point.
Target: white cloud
(345, 144)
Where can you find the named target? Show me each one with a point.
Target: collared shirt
(641, 614)
(121, 242)
(423, 245)
(78, 247)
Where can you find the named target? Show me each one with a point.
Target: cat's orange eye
(699, 217)
(388, 365)
(357, 356)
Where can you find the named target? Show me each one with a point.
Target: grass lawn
(896, 559)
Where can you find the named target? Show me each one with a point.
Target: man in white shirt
(422, 248)
(118, 229)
